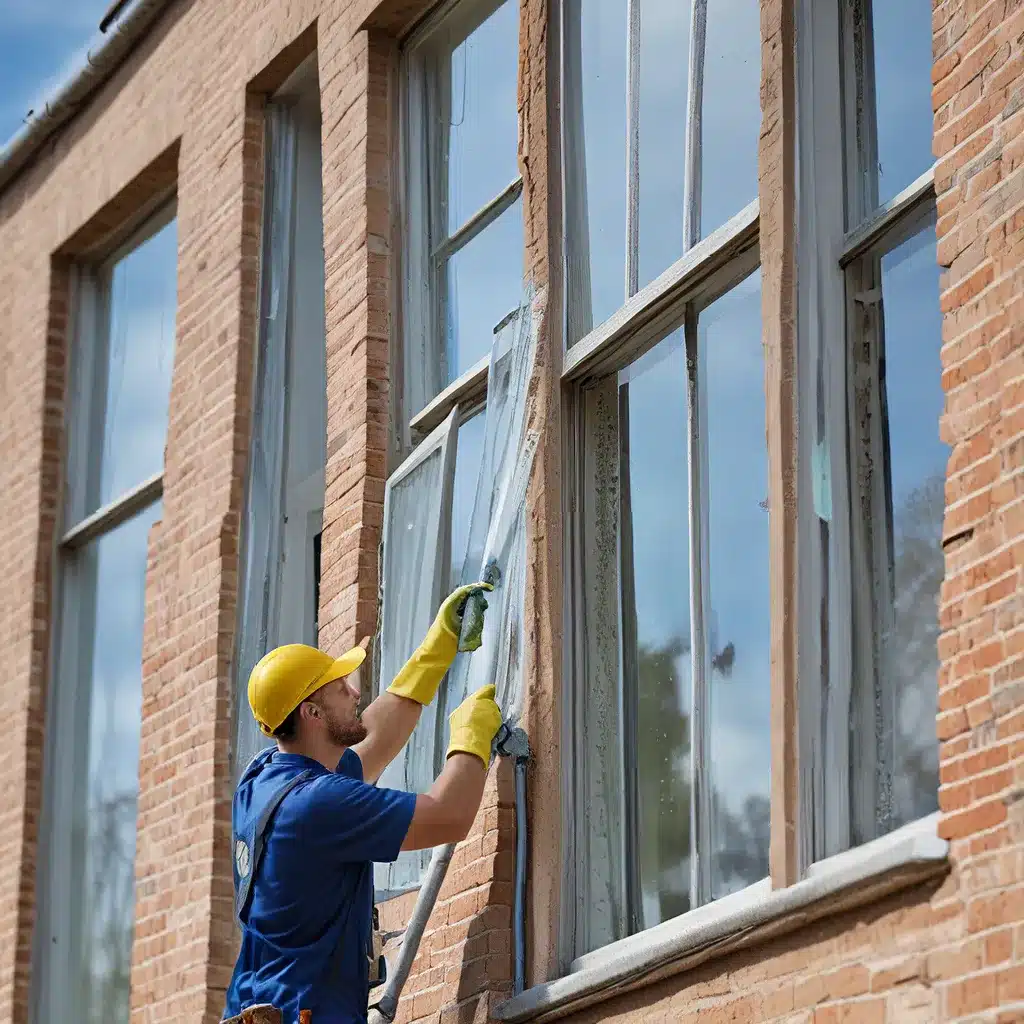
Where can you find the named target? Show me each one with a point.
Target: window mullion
(633, 148)
(439, 86)
(578, 306)
(694, 133)
(700, 723)
(115, 513)
(479, 221)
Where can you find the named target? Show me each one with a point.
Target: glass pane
(738, 624)
(483, 127)
(485, 281)
(595, 155)
(654, 595)
(409, 555)
(467, 470)
(902, 38)
(139, 360)
(664, 53)
(731, 123)
(411, 548)
(113, 575)
(917, 460)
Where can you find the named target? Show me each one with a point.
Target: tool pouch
(262, 1014)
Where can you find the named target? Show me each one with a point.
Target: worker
(308, 821)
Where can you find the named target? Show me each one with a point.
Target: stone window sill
(903, 858)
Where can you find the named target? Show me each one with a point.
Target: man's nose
(352, 685)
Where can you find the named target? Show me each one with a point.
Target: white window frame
(73, 603)
(844, 233)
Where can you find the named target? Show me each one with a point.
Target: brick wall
(188, 104)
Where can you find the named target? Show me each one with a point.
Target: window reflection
(664, 67)
(139, 357)
(110, 574)
(914, 401)
(902, 48)
(483, 126)
(638, 785)
(625, 219)
(654, 591)
(595, 155)
(731, 385)
(731, 108)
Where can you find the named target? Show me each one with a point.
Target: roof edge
(97, 66)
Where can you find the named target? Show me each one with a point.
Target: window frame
(74, 601)
(708, 271)
(838, 167)
(291, 121)
(827, 251)
(422, 181)
(426, 411)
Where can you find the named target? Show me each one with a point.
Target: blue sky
(40, 40)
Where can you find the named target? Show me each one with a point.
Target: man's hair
(288, 729)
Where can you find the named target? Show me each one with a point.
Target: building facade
(770, 633)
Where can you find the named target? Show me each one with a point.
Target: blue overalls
(304, 840)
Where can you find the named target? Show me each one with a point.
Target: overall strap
(247, 860)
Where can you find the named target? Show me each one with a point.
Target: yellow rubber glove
(473, 725)
(421, 675)
(453, 607)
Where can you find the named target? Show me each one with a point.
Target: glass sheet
(497, 529)
(731, 111)
(484, 281)
(655, 582)
(917, 459)
(483, 130)
(467, 472)
(731, 383)
(110, 584)
(595, 156)
(664, 69)
(902, 36)
(135, 384)
(411, 551)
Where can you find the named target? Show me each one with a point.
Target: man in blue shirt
(308, 822)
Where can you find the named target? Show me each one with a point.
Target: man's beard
(343, 734)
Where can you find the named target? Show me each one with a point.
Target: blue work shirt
(307, 932)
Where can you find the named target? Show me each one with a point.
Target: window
(871, 537)
(464, 284)
(660, 136)
(463, 203)
(670, 609)
(121, 362)
(285, 494)
(668, 681)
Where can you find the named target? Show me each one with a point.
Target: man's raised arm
(391, 718)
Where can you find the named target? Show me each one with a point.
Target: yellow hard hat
(286, 676)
